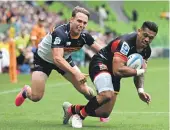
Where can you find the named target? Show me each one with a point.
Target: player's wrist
(140, 90)
(140, 72)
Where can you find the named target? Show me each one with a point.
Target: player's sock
(24, 93)
(90, 108)
(75, 109)
(83, 113)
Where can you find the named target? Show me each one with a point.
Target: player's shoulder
(61, 30)
(128, 40)
(85, 33)
(129, 37)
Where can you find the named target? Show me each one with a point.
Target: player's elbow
(57, 59)
(116, 72)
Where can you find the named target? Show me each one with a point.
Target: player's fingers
(144, 95)
(148, 96)
(148, 100)
(86, 75)
(83, 81)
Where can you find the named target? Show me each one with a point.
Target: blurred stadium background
(26, 22)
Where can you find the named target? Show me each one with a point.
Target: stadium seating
(4, 27)
(58, 6)
(94, 4)
(147, 10)
(151, 10)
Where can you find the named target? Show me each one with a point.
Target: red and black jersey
(123, 46)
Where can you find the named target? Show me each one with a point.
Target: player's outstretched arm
(96, 46)
(139, 83)
(65, 66)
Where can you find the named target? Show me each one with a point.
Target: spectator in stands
(108, 36)
(4, 54)
(79, 57)
(37, 33)
(102, 15)
(165, 15)
(134, 15)
(21, 43)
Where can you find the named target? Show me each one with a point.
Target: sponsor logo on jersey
(102, 66)
(71, 49)
(57, 41)
(66, 32)
(68, 43)
(125, 48)
(35, 65)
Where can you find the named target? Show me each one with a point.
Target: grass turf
(129, 113)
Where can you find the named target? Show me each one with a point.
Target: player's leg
(105, 110)
(38, 86)
(103, 83)
(40, 74)
(36, 91)
(87, 91)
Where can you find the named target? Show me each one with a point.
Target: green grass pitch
(129, 113)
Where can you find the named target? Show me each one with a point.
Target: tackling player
(107, 68)
(54, 53)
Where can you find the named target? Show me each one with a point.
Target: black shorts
(98, 65)
(46, 67)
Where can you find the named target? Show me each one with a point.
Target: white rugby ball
(135, 61)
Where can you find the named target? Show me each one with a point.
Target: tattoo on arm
(139, 81)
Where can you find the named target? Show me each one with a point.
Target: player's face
(78, 23)
(145, 37)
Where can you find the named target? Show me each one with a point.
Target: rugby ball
(135, 61)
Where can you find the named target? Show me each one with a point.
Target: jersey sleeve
(120, 49)
(58, 39)
(89, 39)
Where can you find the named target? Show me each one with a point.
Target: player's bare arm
(139, 84)
(139, 80)
(96, 46)
(60, 61)
(120, 69)
(64, 65)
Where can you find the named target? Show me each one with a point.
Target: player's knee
(36, 98)
(107, 95)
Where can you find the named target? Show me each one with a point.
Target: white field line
(62, 83)
(140, 112)
(18, 89)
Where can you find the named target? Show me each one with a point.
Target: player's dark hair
(150, 25)
(78, 9)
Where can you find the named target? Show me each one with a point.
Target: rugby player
(107, 68)
(54, 53)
